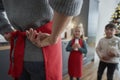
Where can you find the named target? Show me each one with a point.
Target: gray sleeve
(84, 48)
(67, 7)
(4, 25)
(69, 46)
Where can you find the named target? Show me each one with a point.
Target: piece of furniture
(65, 56)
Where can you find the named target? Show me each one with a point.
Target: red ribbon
(52, 55)
(16, 66)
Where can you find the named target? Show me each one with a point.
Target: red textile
(52, 55)
(75, 62)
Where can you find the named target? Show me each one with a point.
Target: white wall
(106, 9)
(93, 17)
(2, 39)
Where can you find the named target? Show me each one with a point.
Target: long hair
(81, 31)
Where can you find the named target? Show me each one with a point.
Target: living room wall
(82, 18)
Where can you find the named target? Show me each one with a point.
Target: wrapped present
(113, 47)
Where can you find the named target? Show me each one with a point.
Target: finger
(37, 39)
(38, 36)
(30, 32)
(36, 33)
(45, 35)
(33, 34)
(27, 33)
(33, 37)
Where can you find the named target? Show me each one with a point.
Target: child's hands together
(105, 57)
(111, 54)
(76, 46)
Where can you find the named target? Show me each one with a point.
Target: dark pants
(33, 71)
(110, 70)
(71, 78)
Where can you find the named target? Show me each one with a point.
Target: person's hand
(76, 46)
(111, 54)
(31, 35)
(40, 39)
(35, 37)
(105, 58)
(46, 41)
(7, 36)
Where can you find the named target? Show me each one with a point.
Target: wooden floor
(90, 73)
(4, 47)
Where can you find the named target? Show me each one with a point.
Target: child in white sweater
(108, 50)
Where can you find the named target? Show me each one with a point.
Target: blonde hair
(81, 31)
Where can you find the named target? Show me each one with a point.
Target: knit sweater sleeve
(98, 49)
(67, 7)
(118, 52)
(69, 46)
(84, 48)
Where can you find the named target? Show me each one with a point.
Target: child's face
(110, 32)
(77, 33)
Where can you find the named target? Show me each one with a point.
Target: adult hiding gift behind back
(37, 54)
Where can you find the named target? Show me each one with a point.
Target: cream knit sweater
(105, 45)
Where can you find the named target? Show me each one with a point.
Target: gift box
(113, 47)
